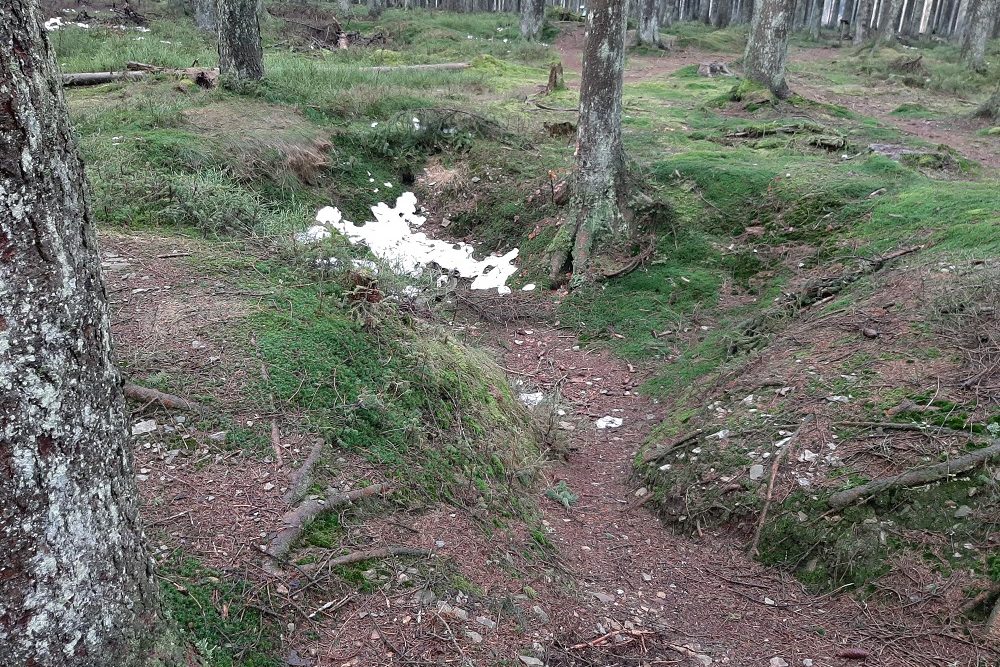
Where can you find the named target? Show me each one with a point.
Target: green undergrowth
(433, 413)
(220, 615)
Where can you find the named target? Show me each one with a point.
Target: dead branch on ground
(301, 477)
(169, 401)
(775, 468)
(915, 476)
(297, 519)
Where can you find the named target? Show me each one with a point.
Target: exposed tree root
(915, 477)
(169, 401)
(993, 624)
(297, 519)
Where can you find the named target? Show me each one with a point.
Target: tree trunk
(597, 207)
(990, 109)
(767, 45)
(887, 22)
(816, 18)
(532, 19)
(345, 8)
(980, 18)
(204, 15)
(375, 8)
(241, 56)
(862, 22)
(649, 24)
(76, 587)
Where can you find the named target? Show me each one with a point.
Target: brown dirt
(617, 588)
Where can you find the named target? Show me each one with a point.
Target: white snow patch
(392, 238)
(608, 422)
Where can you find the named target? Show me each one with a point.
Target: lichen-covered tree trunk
(767, 45)
(861, 23)
(649, 24)
(981, 17)
(597, 205)
(375, 8)
(815, 18)
(345, 7)
(204, 15)
(75, 583)
(887, 22)
(241, 56)
(990, 109)
(532, 19)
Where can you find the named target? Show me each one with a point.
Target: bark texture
(767, 45)
(980, 21)
(204, 15)
(532, 19)
(990, 109)
(75, 584)
(888, 20)
(597, 204)
(241, 56)
(861, 22)
(649, 23)
(375, 8)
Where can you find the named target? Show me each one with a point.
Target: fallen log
(97, 78)
(416, 68)
(297, 519)
(915, 477)
(169, 401)
(206, 78)
(301, 478)
(993, 624)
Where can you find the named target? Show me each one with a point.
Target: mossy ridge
(405, 396)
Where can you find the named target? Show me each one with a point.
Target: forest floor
(543, 537)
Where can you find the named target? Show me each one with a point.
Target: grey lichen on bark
(76, 587)
(648, 33)
(981, 17)
(241, 56)
(205, 15)
(532, 19)
(865, 8)
(767, 45)
(597, 216)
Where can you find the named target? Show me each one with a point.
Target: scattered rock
(218, 436)
(838, 399)
(269, 486)
(646, 576)
(756, 472)
(144, 427)
(608, 422)
(474, 636)
(778, 662)
(540, 613)
(604, 597)
(963, 512)
(486, 622)
(530, 661)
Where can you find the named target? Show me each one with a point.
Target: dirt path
(958, 132)
(880, 100)
(701, 593)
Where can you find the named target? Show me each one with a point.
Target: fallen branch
(301, 477)
(297, 519)
(371, 554)
(660, 452)
(97, 78)
(915, 477)
(898, 426)
(416, 68)
(993, 624)
(781, 456)
(634, 263)
(169, 401)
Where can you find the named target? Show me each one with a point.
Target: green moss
(220, 614)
